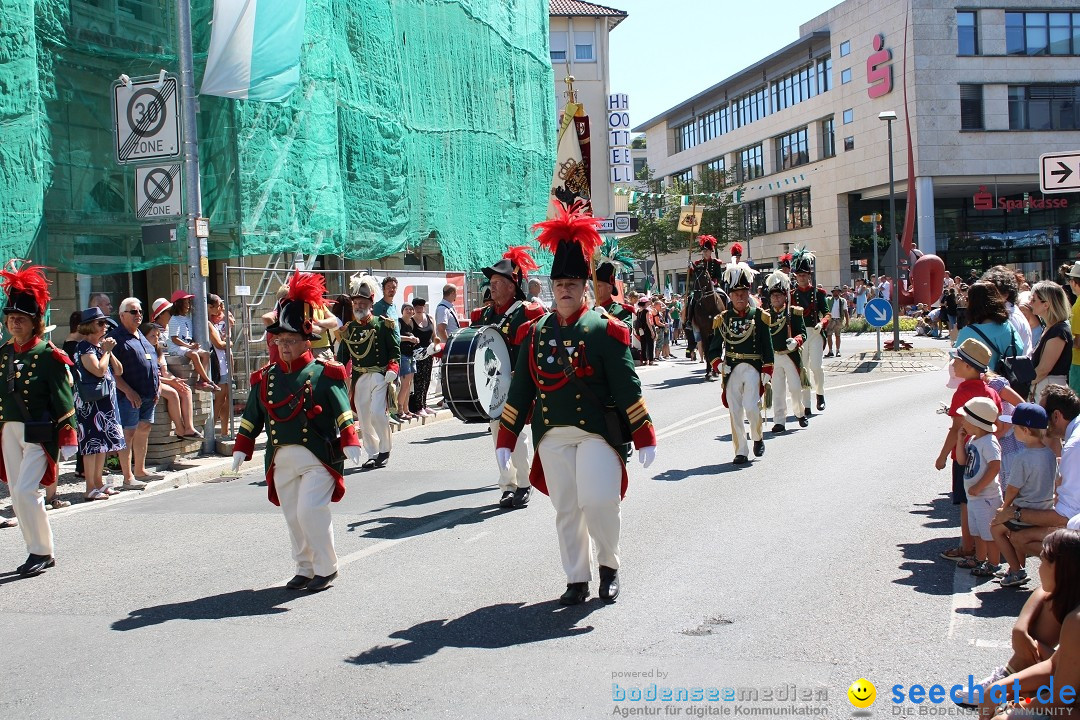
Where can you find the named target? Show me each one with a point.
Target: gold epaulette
(797, 310)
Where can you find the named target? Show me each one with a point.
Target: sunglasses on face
(133, 312)
(101, 323)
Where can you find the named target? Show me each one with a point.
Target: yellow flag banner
(690, 218)
(570, 181)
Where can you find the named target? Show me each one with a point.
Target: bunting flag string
(776, 184)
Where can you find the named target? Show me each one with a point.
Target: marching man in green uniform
(577, 381)
(511, 314)
(607, 291)
(373, 348)
(304, 405)
(813, 302)
(788, 336)
(741, 335)
(37, 411)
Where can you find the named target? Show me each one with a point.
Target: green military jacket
(600, 357)
(814, 304)
(514, 326)
(743, 339)
(304, 404)
(371, 346)
(619, 311)
(788, 325)
(44, 383)
(713, 268)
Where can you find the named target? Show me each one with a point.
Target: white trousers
(744, 397)
(785, 380)
(369, 397)
(304, 487)
(812, 350)
(584, 479)
(517, 476)
(25, 465)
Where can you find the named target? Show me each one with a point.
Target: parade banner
(254, 49)
(690, 218)
(570, 182)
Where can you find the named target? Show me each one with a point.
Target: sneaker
(984, 569)
(999, 673)
(1014, 579)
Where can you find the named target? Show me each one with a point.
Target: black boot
(741, 460)
(320, 582)
(507, 499)
(381, 459)
(35, 565)
(778, 428)
(609, 584)
(521, 497)
(803, 422)
(820, 402)
(759, 448)
(576, 593)
(299, 582)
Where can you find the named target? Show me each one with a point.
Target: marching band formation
(559, 391)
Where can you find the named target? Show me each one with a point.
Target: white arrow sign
(881, 316)
(1059, 172)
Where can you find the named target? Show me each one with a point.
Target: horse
(708, 302)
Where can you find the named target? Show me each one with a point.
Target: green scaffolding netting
(415, 120)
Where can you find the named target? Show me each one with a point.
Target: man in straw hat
(788, 335)
(576, 379)
(372, 346)
(741, 335)
(511, 313)
(813, 302)
(303, 402)
(37, 410)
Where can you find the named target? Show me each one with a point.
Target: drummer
(511, 314)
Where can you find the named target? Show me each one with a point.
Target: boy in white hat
(977, 449)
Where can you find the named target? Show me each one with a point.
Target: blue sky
(668, 50)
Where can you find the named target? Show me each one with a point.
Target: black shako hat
(27, 289)
(294, 311)
(515, 265)
(571, 235)
(606, 272)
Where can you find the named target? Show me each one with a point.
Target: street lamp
(888, 116)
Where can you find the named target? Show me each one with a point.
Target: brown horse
(708, 302)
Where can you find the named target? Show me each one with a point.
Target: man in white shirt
(1063, 410)
(886, 289)
(446, 319)
(838, 310)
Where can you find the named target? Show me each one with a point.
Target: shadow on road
(676, 475)
(997, 601)
(939, 512)
(695, 379)
(395, 528)
(452, 437)
(240, 603)
(930, 574)
(495, 626)
(436, 496)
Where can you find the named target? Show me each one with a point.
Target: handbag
(90, 387)
(618, 427)
(34, 431)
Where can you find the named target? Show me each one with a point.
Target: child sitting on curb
(1030, 483)
(978, 450)
(969, 363)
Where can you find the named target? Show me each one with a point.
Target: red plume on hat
(575, 225)
(520, 257)
(307, 287)
(27, 280)
(785, 259)
(736, 250)
(704, 240)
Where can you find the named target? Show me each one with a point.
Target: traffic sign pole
(874, 219)
(198, 267)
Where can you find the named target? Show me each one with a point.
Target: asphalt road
(813, 567)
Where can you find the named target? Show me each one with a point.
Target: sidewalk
(182, 472)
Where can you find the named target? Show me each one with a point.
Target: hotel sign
(985, 201)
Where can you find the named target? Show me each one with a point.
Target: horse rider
(712, 269)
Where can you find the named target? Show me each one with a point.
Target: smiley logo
(862, 693)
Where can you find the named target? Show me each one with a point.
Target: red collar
(298, 364)
(573, 318)
(365, 321)
(502, 310)
(20, 349)
(800, 287)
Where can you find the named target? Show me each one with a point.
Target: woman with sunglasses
(98, 420)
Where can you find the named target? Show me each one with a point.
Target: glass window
(583, 45)
(828, 138)
(845, 48)
(849, 143)
(1014, 33)
(845, 76)
(1044, 107)
(1035, 35)
(792, 150)
(971, 107)
(1040, 33)
(967, 34)
(558, 39)
(750, 163)
(1060, 34)
(796, 86)
(753, 219)
(849, 116)
(795, 209)
(683, 179)
(713, 175)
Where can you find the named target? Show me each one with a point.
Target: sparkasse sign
(985, 201)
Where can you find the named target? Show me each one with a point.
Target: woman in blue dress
(98, 419)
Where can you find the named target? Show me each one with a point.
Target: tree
(658, 212)
(638, 143)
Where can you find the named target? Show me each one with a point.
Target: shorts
(130, 416)
(407, 366)
(959, 494)
(980, 512)
(835, 327)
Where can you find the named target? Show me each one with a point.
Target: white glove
(792, 343)
(67, 451)
(646, 455)
(425, 353)
(237, 460)
(353, 453)
(502, 457)
(390, 376)
(818, 327)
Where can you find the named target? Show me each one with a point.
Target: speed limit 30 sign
(147, 120)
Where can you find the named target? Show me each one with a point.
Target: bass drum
(476, 374)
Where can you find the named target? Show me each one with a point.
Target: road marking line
(476, 537)
(963, 598)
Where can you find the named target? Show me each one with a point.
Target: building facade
(989, 88)
(579, 36)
